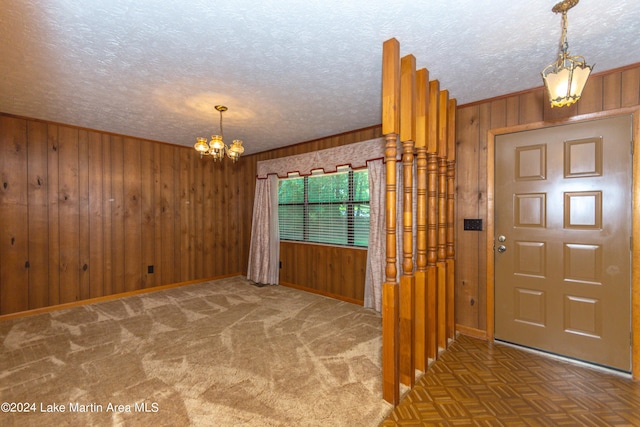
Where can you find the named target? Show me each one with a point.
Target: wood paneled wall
(333, 271)
(604, 92)
(83, 214)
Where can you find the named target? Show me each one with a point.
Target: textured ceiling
(288, 70)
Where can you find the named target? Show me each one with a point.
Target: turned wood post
(420, 294)
(443, 104)
(451, 218)
(432, 221)
(390, 297)
(407, 280)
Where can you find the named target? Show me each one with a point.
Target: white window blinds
(328, 208)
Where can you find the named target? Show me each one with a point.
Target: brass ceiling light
(216, 148)
(565, 78)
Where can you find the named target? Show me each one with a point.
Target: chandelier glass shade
(216, 148)
(565, 79)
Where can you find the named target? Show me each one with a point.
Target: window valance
(355, 155)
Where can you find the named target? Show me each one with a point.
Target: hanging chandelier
(565, 78)
(216, 148)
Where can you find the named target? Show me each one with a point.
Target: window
(326, 208)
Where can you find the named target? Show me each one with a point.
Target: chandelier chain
(221, 133)
(564, 44)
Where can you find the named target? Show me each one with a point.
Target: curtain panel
(376, 253)
(264, 251)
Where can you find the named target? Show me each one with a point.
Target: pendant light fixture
(216, 148)
(567, 76)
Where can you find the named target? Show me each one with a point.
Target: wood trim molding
(108, 297)
(635, 257)
(323, 293)
(82, 128)
(471, 332)
(635, 261)
(541, 88)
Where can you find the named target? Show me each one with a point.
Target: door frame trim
(635, 219)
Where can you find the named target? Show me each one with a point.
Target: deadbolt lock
(502, 238)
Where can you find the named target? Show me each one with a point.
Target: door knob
(502, 248)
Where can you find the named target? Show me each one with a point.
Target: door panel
(563, 227)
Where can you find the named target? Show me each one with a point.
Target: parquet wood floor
(478, 383)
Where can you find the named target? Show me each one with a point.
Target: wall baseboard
(109, 297)
(326, 294)
(472, 332)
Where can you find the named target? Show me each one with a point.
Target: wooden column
(407, 280)
(432, 216)
(417, 311)
(422, 123)
(442, 262)
(442, 219)
(390, 294)
(451, 217)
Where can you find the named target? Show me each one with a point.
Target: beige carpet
(221, 353)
